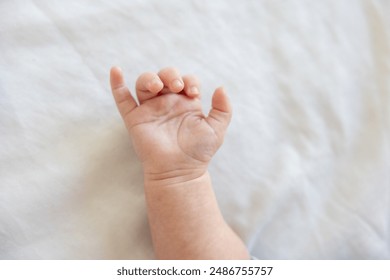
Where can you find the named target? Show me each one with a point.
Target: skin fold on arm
(175, 142)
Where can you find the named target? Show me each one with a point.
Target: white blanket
(304, 169)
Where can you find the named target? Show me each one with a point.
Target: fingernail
(154, 83)
(194, 90)
(177, 84)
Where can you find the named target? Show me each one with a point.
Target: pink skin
(175, 142)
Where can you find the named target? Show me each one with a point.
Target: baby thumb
(220, 113)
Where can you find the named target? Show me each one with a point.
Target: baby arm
(175, 142)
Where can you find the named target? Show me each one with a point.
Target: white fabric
(304, 169)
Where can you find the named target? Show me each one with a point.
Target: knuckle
(191, 79)
(145, 77)
(169, 71)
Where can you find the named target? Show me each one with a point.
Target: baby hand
(171, 136)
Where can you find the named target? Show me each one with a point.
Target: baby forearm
(186, 222)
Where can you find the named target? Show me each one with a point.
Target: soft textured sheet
(303, 172)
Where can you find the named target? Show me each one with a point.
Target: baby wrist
(174, 177)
